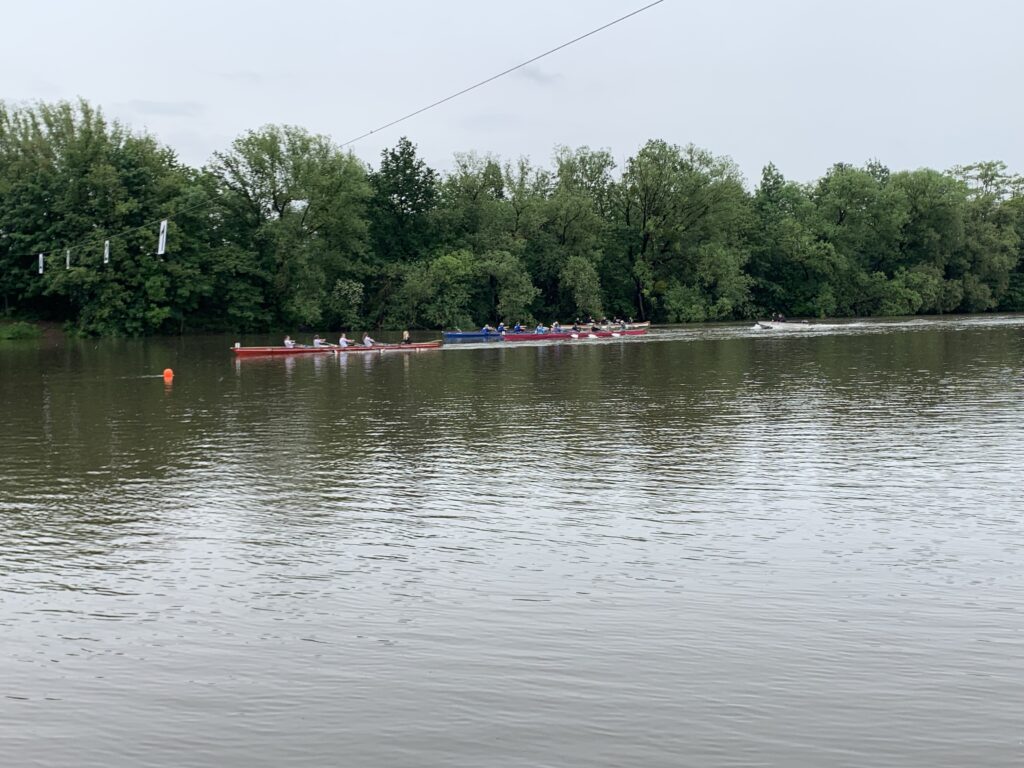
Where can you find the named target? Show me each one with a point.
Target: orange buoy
(168, 374)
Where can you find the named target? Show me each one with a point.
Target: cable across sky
(492, 78)
(99, 238)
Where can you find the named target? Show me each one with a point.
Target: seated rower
(517, 328)
(343, 341)
(486, 329)
(318, 342)
(288, 342)
(501, 327)
(540, 328)
(367, 341)
(555, 327)
(405, 338)
(576, 327)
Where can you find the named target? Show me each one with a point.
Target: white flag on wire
(40, 263)
(161, 246)
(106, 251)
(67, 259)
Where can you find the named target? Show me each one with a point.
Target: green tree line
(283, 229)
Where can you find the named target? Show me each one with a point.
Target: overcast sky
(800, 83)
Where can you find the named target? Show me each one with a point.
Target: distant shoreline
(104, 231)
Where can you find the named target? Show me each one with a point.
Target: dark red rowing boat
(254, 351)
(581, 335)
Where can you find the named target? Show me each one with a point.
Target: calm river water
(714, 546)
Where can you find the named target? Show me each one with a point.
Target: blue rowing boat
(456, 336)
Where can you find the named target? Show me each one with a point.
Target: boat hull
(572, 335)
(472, 336)
(481, 336)
(265, 351)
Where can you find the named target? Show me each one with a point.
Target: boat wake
(807, 326)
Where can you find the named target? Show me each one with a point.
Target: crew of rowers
(343, 342)
(577, 327)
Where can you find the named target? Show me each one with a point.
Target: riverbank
(18, 329)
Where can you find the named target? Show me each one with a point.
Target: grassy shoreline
(13, 330)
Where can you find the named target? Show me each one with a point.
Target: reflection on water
(712, 546)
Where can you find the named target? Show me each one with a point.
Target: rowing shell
(254, 351)
(574, 335)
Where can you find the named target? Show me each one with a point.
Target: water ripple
(712, 546)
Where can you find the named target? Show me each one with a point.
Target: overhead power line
(492, 78)
(94, 238)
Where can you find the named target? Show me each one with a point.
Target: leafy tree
(588, 172)
(515, 290)
(581, 281)
(788, 265)
(405, 194)
(474, 212)
(345, 303)
(71, 180)
(990, 250)
(284, 229)
(671, 202)
(439, 293)
(1013, 299)
(296, 207)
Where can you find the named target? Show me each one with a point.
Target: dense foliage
(285, 230)
(18, 331)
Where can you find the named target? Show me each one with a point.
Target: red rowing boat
(253, 351)
(574, 335)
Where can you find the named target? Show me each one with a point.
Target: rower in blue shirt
(501, 327)
(517, 328)
(540, 328)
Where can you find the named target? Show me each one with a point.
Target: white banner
(40, 263)
(106, 251)
(161, 247)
